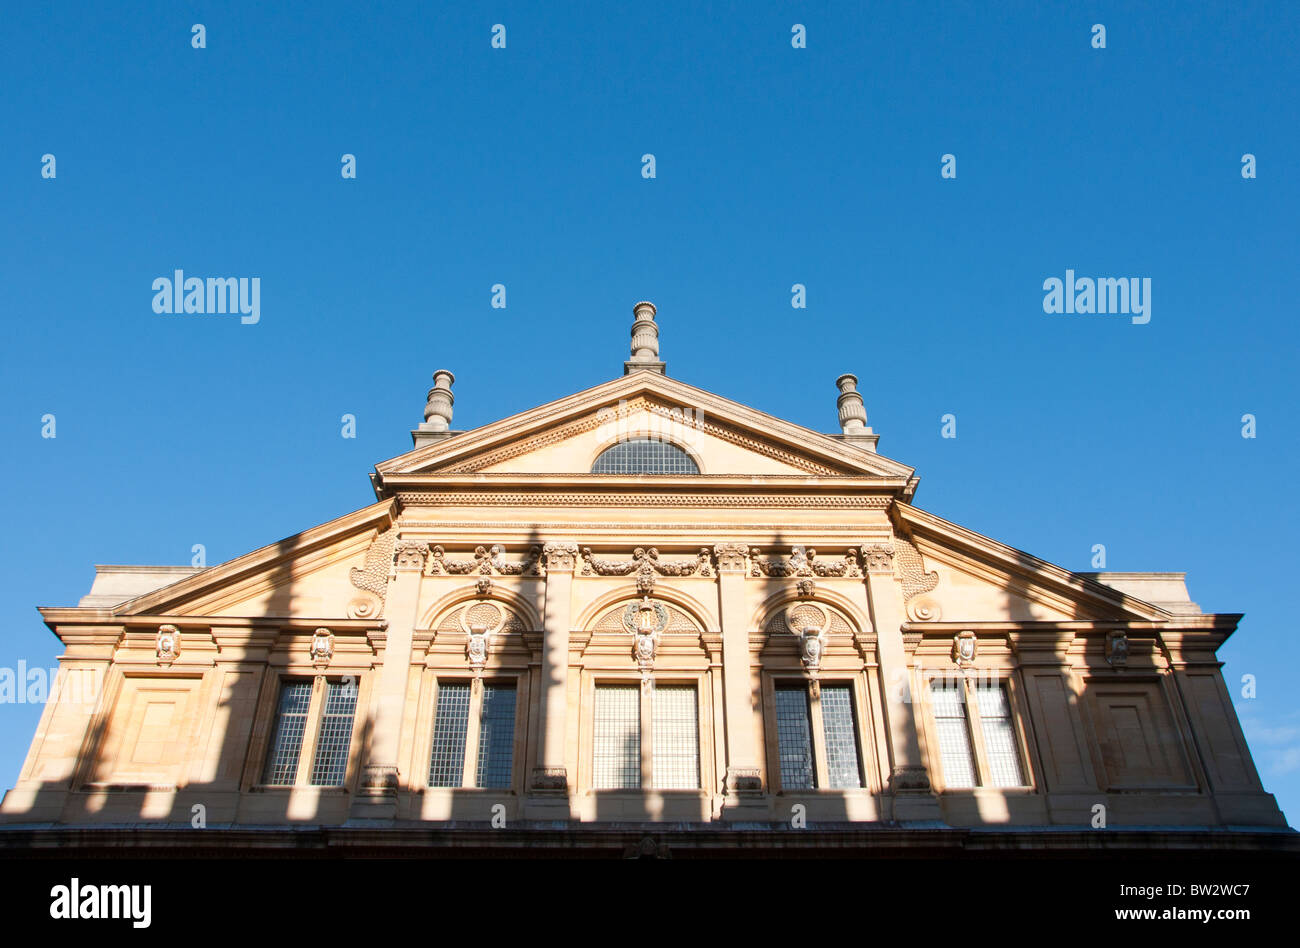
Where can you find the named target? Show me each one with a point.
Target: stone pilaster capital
(410, 555)
(731, 557)
(561, 556)
(878, 557)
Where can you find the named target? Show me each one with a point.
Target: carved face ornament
(812, 624)
(479, 621)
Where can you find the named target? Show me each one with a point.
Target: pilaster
(548, 784)
(908, 781)
(743, 785)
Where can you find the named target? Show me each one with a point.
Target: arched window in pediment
(645, 456)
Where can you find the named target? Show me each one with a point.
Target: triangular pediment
(309, 574)
(724, 437)
(956, 575)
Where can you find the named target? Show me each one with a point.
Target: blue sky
(774, 166)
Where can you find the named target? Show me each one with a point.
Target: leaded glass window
(794, 738)
(841, 736)
(948, 700)
(644, 456)
(496, 737)
(335, 735)
(447, 762)
(676, 733)
(999, 735)
(286, 744)
(617, 739)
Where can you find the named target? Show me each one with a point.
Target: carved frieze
(486, 561)
(803, 562)
(645, 561)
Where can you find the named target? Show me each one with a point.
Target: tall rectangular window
(447, 762)
(496, 737)
(841, 737)
(676, 731)
(949, 700)
(290, 723)
(617, 738)
(794, 738)
(999, 735)
(335, 735)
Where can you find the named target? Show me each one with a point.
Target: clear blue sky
(775, 166)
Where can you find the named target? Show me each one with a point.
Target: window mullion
(307, 756)
(983, 776)
(818, 735)
(647, 733)
(469, 769)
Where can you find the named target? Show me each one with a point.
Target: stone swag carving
(803, 562)
(645, 560)
(487, 561)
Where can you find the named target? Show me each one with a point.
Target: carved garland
(803, 562)
(645, 561)
(487, 561)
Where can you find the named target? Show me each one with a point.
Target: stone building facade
(643, 603)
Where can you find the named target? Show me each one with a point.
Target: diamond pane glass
(617, 741)
(676, 738)
(644, 456)
(954, 736)
(450, 719)
(794, 738)
(841, 736)
(290, 722)
(999, 736)
(496, 737)
(331, 763)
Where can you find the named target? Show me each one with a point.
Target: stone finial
(437, 410)
(853, 414)
(645, 340)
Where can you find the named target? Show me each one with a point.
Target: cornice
(249, 565)
(638, 499)
(1053, 584)
(731, 418)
